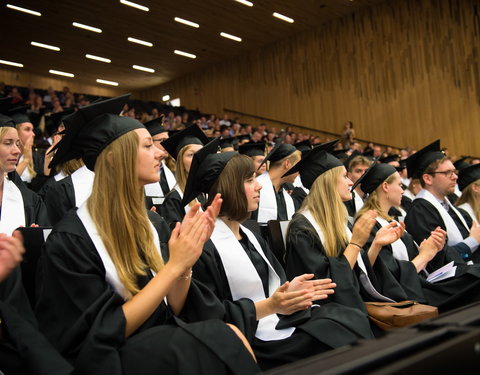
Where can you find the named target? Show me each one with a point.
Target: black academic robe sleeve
(298, 195)
(420, 221)
(59, 199)
(306, 254)
(35, 210)
(173, 211)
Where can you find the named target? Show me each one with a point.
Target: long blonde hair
(468, 196)
(326, 206)
(373, 201)
(181, 173)
(118, 210)
(70, 166)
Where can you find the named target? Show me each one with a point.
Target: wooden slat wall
(405, 72)
(21, 78)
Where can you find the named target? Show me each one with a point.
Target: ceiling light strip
(139, 41)
(6, 62)
(24, 10)
(245, 2)
(86, 27)
(43, 45)
(186, 22)
(134, 5)
(98, 58)
(143, 68)
(230, 36)
(283, 18)
(60, 73)
(105, 82)
(186, 54)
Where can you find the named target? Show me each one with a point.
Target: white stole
(298, 183)
(267, 206)
(358, 202)
(171, 181)
(364, 279)
(111, 274)
(59, 176)
(187, 207)
(453, 233)
(243, 278)
(466, 206)
(398, 247)
(409, 194)
(26, 175)
(82, 180)
(13, 211)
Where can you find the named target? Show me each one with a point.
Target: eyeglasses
(448, 173)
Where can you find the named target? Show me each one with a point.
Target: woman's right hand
(11, 253)
(27, 149)
(187, 239)
(285, 302)
(362, 228)
(433, 244)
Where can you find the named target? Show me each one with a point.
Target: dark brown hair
(230, 185)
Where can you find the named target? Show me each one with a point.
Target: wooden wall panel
(405, 72)
(19, 77)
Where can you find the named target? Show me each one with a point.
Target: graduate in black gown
(431, 208)
(181, 146)
(23, 349)
(19, 205)
(238, 266)
(469, 202)
(321, 241)
(102, 283)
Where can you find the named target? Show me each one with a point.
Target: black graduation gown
(172, 210)
(447, 294)
(23, 349)
(298, 196)
(420, 221)
(318, 329)
(81, 314)
(59, 199)
(38, 163)
(35, 210)
(306, 254)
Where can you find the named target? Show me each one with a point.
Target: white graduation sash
(298, 183)
(409, 194)
(466, 206)
(243, 278)
(26, 175)
(267, 206)
(358, 202)
(171, 181)
(187, 207)
(111, 275)
(453, 233)
(398, 247)
(364, 279)
(13, 211)
(82, 180)
(59, 176)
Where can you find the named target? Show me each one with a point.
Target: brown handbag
(389, 315)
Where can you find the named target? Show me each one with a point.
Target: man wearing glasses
(431, 208)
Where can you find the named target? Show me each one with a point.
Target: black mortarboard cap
(19, 114)
(419, 161)
(303, 146)
(461, 163)
(389, 158)
(155, 127)
(252, 149)
(226, 142)
(278, 152)
(243, 137)
(89, 130)
(353, 155)
(188, 136)
(340, 154)
(5, 121)
(314, 163)
(5, 104)
(468, 175)
(55, 119)
(206, 166)
(374, 176)
(403, 165)
(368, 153)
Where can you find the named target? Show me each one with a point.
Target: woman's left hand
(319, 288)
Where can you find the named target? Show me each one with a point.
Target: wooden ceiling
(255, 25)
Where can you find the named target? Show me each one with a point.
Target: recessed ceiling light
(98, 58)
(143, 68)
(24, 10)
(43, 45)
(86, 27)
(60, 73)
(283, 18)
(186, 22)
(186, 54)
(166, 98)
(139, 41)
(245, 2)
(230, 36)
(6, 62)
(105, 82)
(134, 5)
